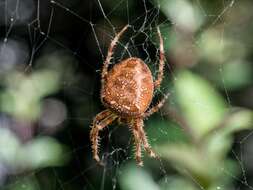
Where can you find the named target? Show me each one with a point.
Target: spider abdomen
(129, 87)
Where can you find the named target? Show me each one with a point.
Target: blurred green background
(51, 54)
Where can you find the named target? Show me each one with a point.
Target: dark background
(69, 40)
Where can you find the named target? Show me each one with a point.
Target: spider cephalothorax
(127, 91)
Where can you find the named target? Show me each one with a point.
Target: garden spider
(127, 91)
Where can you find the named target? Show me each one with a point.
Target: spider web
(75, 34)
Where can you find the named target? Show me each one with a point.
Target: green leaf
(237, 121)
(9, 145)
(133, 178)
(220, 140)
(202, 107)
(236, 74)
(23, 93)
(213, 51)
(26, 183)
(186, 158)
(45, 82)
(195, 164)
(182, 13)
(176, 182)
(162, 131)
(42, 152)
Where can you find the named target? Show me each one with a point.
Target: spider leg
(109, 54)
(101, 116)
(144, 139)
(137, 142)
(156, 107)
(158, 81)
(107, 118)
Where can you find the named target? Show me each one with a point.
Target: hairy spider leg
(101, 116)
(156, 107)
(144, 139)
(137, 142)
(159, 79)
(109, 56)
(107, 118)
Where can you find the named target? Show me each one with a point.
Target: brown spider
(127, 91)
